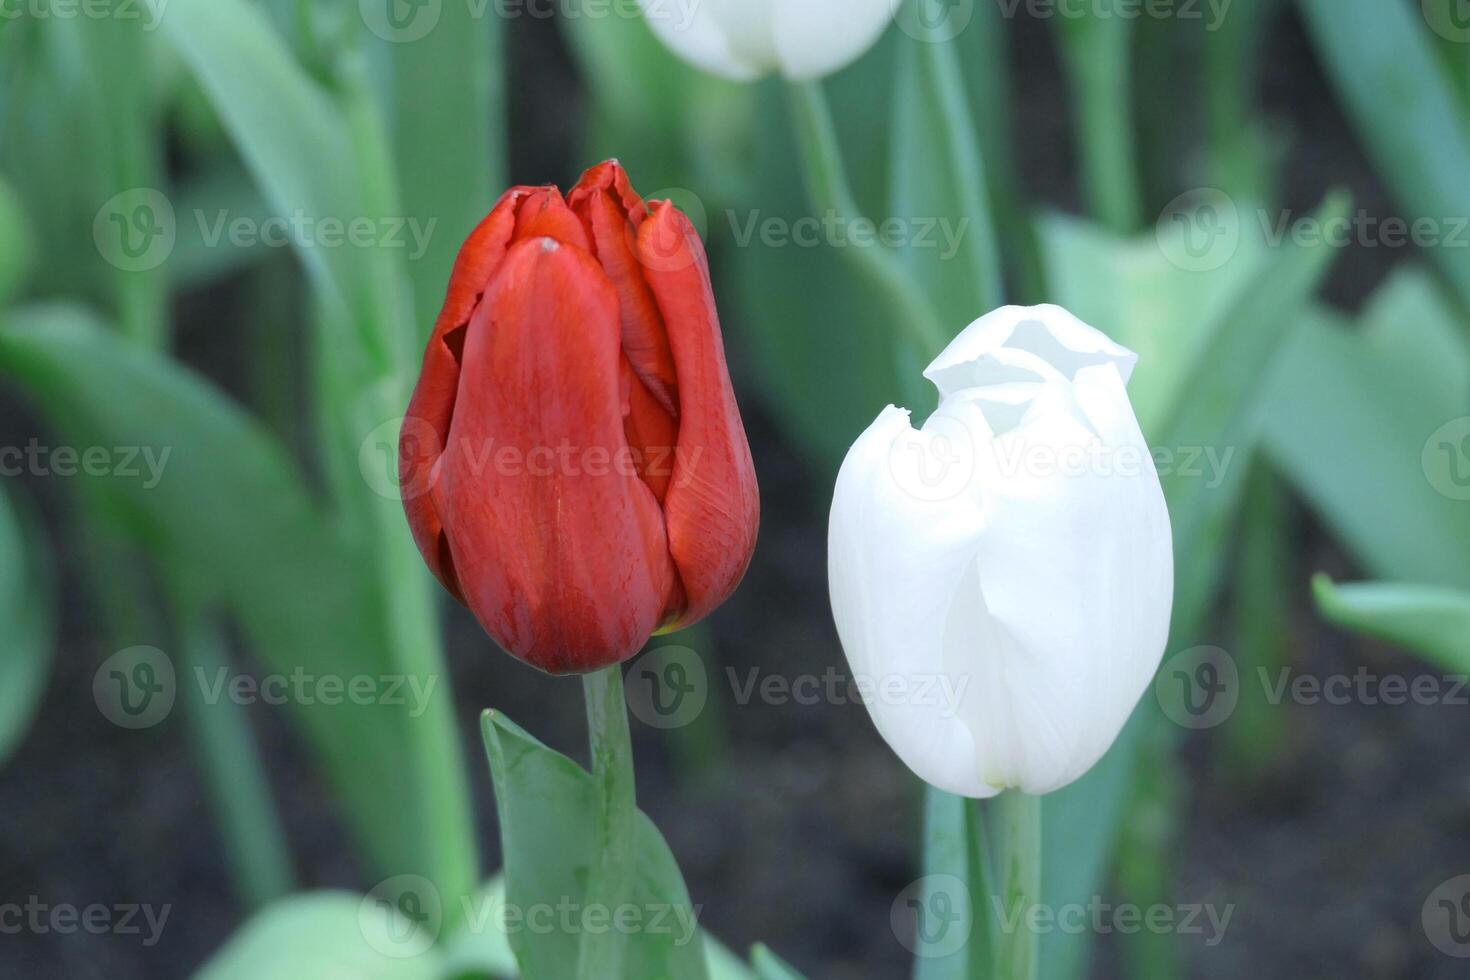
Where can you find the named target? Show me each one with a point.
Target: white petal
(817, 37)
(1016, 341)
(699, 31)
(904, 527)
(1032, 575)
(1072, 587)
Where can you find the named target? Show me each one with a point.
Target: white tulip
(743, 40)
(1002, 580)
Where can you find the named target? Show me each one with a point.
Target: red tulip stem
(609, 885)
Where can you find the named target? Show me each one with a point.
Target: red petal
(644, 339)
(544, 214)
(611, 177)
(559, 546)
(426, 422)
(712, 509)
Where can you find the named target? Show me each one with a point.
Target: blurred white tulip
(1002, 580)
(743, 40)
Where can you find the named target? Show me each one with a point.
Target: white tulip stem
(827, 186)
(611, 879)
(1018, 863)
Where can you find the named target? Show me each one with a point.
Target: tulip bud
(1002, 580)
(573, 463)
(743, 40)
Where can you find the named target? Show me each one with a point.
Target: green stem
(600, 955)
(826, 179)
(230, 760)
(1096, 56)
(1018, 862)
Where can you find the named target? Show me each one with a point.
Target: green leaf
(1222, 409)
(27, 610)
(1431, 621)
(1352, 416)
(1080, 827)
(323, 935)
(546, 804)
(450, 160)
(1205, 342)
(299, 143)
(1378, 55)
(480, 944)
(952, 849)
(937, 173)
(723, 964)
(769, 966)
(1096, 52)
(215, 493)
(17, 247)
(801, 312)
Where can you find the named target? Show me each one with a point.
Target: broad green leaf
(330, 935)
(1223, 409)
(214, 493)
(1431, 621)
(1129, 289)
(479, 944)
(1379, 57)
(1354, 417)
(27, 610)
(546, 804)
(769, 966)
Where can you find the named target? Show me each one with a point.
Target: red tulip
(573, 463)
